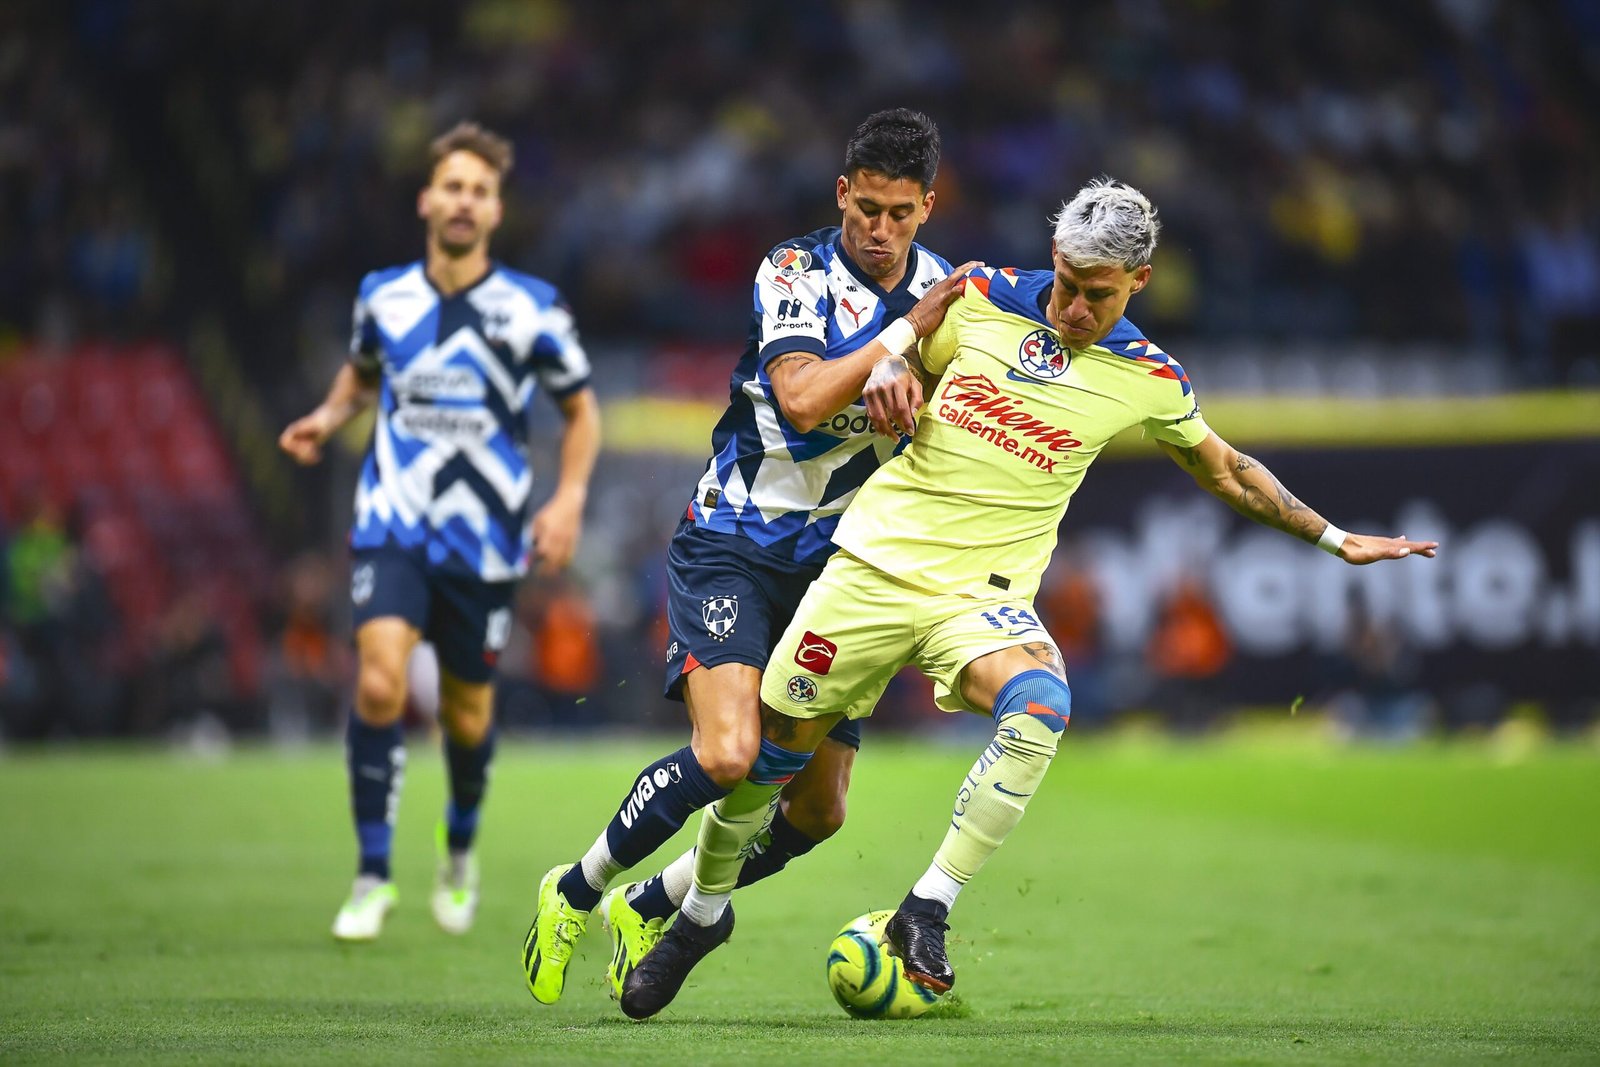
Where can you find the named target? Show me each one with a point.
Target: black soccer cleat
(919, 942)
(663, 970)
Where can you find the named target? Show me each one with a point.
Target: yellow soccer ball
(866, 980)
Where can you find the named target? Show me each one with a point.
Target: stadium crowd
(1424, 173)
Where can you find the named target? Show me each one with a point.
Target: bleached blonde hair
(1108, 223)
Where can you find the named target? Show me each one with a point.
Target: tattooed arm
(1250, 489)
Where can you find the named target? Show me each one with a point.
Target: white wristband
(898, 336)
(1332, 540)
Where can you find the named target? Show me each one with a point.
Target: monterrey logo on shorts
(791, 259)
(815, 653)
(720, 613)
(361, 583)
(1043, 356)
(802, 690)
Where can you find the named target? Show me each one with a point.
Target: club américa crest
(1043, 356)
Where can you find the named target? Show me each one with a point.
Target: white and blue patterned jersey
(767, 481)
(447, 473)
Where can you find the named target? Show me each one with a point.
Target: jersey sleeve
(1175, 416)
(938, 348)
(366, 347)
(559, 360)
(791, 300)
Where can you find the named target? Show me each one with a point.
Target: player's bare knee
(466, 726)
(726, 759)
(816, 813)
(380, 694)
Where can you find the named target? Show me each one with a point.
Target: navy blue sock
(469, 777)
(662, 798)
(376, 756)
(651, 901)
(786, 843)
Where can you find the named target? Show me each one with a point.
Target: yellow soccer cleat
(361, 918)
(556, 928)
(455, 887)
(632, 935)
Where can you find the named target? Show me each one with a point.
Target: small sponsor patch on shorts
(816, 653)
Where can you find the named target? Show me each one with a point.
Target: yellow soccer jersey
(972, 504)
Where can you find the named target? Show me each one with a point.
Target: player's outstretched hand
(304, 437)
(928, 313)
(1366, 548)
(555, 533)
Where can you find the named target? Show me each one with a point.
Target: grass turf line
(1222, 902)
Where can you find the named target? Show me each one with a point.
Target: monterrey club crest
(361, 582)
(719, 614)
(1042, 355)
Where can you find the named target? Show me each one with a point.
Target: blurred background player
(792, 448)
(458, 345)
(942, 552)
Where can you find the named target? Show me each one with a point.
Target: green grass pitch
(1226, 902)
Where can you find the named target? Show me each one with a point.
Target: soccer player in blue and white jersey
(796, 442)
(454, 347)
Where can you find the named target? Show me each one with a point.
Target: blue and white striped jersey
(766, 480)
(447, 472)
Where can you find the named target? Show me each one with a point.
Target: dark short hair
(898, 143)
(471, 137)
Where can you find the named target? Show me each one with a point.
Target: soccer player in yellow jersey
(1028, 377)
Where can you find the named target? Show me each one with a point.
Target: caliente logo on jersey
(1043, 356)
(720, 613)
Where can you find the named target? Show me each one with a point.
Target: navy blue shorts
(468, 620)
(728, 601)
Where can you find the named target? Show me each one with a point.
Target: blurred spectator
(566, 658)
(1188, 649)
(1069, 606)
(55, 679)
(186, 683)
(1377, 673)
(310, 668)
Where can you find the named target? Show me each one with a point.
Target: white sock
(598, 866)
(678, 877)
(703, 909)
(937, 884)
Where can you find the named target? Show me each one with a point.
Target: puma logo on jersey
(855, 313)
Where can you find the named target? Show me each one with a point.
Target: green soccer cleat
(455, 887)
(556, 928)
(361, 917)
(632, 935)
